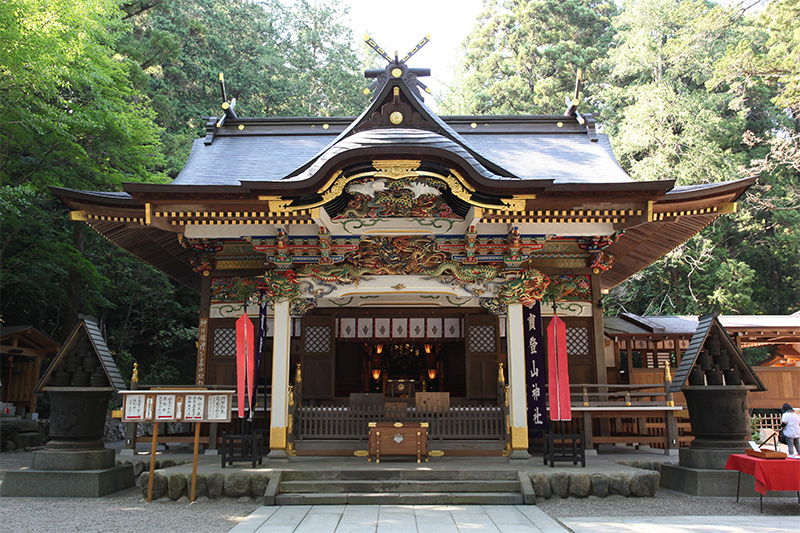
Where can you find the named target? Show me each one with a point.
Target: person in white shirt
(790, 422)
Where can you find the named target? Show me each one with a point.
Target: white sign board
(176, 406)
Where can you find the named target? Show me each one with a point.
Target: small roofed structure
(22, 349)
(715, 379)
(83, 361)
(640, 346)
(721, 362)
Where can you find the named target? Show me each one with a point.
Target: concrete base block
(519, 456)
(278, 455)
(67, 484)
(706, 482)
(713, 459)
(73, 460)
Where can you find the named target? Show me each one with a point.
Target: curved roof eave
(122, 199)
(693, 192)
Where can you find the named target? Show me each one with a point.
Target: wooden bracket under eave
(727, 207)
(148, 214)
(78, 216)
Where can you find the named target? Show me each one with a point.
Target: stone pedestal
(69, 474)
(720, 427)
(67, 483)
(73, 460)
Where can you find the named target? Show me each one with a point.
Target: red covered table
(770, 474)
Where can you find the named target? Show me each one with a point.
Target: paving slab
(285, 520)
(434, 519)
(321, 519)
(358, 518)
(685, 524)
(400, 519)
(396, 519)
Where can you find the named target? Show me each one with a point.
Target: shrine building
(397, 257)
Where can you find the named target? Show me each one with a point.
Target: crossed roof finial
(396, 68)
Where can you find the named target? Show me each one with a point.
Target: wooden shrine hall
(392, 259)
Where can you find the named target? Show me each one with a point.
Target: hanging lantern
(376, 373)
(432, 373)
(378, 350)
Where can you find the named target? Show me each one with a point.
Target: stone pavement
(681, 524)
(488, 518)
(398, 519)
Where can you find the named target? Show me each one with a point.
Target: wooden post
(152, 463)
(671, 432)
(194, 459)
(131, 427)
(587, 430)
(599, 347)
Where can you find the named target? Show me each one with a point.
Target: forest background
(95, 93)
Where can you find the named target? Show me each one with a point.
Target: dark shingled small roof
(687, 325)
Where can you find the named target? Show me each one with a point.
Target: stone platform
(69, 474)
(443, 480)
(702, 473)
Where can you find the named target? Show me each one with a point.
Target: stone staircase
(399, 487)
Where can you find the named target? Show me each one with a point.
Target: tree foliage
(70, 115)
(524, 55)
(276, 63)
(98, 92)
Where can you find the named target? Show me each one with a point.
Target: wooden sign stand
(185, 405)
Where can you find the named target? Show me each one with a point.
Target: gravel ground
(128, 512)
(125, 511)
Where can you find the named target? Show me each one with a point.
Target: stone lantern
(80, 382)
(714, 378)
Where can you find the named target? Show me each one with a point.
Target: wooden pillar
(279, 412)
(515, 335)
(599, 335)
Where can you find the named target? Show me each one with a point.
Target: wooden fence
(342, 422)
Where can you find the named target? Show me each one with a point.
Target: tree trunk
(71, 310)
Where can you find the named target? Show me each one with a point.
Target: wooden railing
(769, 420)
(630, 414)
(601, 395)
(457, 422)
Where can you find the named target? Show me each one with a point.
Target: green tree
(667, 116)
(689, 85)
(70, 116)
(523, 55)
(276, 62)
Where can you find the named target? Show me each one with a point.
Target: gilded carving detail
(401, 194)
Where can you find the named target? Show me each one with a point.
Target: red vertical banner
(245, 363)
(558, 370)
